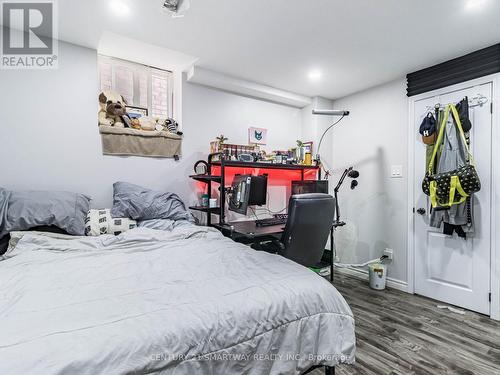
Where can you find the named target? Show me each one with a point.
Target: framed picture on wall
(257, 136)
(136, 112)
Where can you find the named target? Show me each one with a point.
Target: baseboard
(363, 275)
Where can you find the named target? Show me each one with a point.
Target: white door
(449, 268)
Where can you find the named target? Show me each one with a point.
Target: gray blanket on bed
(187, 301)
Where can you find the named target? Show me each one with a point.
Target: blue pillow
(23, 210)
(141, 203)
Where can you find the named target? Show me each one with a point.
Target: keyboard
(277, 220)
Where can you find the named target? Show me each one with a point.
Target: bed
(182, 301)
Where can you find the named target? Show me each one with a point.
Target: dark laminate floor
(399, 333)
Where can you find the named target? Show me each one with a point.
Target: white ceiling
(356, 44)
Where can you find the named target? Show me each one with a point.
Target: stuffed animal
(147, 123)
(172, 126)
(135, 124)
(112, 108)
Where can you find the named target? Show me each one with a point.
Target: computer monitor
(309, 186)
(258, 191)
(247, 190)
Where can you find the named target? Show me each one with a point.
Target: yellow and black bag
(453, 187)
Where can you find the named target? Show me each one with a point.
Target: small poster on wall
(257, 136)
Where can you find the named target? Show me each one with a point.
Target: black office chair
(310, 218)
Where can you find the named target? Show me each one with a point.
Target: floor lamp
(347, 172)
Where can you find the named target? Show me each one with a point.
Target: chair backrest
(310, 218)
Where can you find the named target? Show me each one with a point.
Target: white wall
(313, 127)
(371, 139)
(49, 136)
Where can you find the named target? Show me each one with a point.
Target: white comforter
(188, 301)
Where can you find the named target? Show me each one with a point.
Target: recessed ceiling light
(314, 75)
(474, 4)
(119, 7)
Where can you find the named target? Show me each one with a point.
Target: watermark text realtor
(29, 35)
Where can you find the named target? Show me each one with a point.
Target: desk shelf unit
(222, 173)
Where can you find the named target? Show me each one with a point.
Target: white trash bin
(378, 275)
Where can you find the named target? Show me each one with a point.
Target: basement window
(140, 85)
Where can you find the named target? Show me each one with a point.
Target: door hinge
(489, 297)
(491, 107)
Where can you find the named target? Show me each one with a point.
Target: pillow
(23, 210)
(140, 203)
(100, 222)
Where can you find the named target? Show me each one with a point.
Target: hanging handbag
(453, 187)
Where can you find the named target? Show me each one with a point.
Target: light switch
(396, 171)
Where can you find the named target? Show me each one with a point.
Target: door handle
(421, 211)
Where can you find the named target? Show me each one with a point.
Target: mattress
(185, 301)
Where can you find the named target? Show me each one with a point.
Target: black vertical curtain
(474, 65)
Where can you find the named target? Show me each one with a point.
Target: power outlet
(389, 253)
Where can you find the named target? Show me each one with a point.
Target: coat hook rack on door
(476, 101)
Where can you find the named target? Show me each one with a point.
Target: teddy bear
(112, 109)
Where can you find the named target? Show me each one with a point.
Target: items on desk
(220, 141)
(248, 158)
(308, 159)
(247, 190)
(201, 167)
(278, 219)
(309, 186)
(302, 154)
(204, 200)
(281, 157)
(212, 202)
(234, 151)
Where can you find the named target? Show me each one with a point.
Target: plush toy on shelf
(135, 124)
(112, 107)
(172, 126)
(147, 123)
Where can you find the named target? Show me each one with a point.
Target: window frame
(115, 62)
